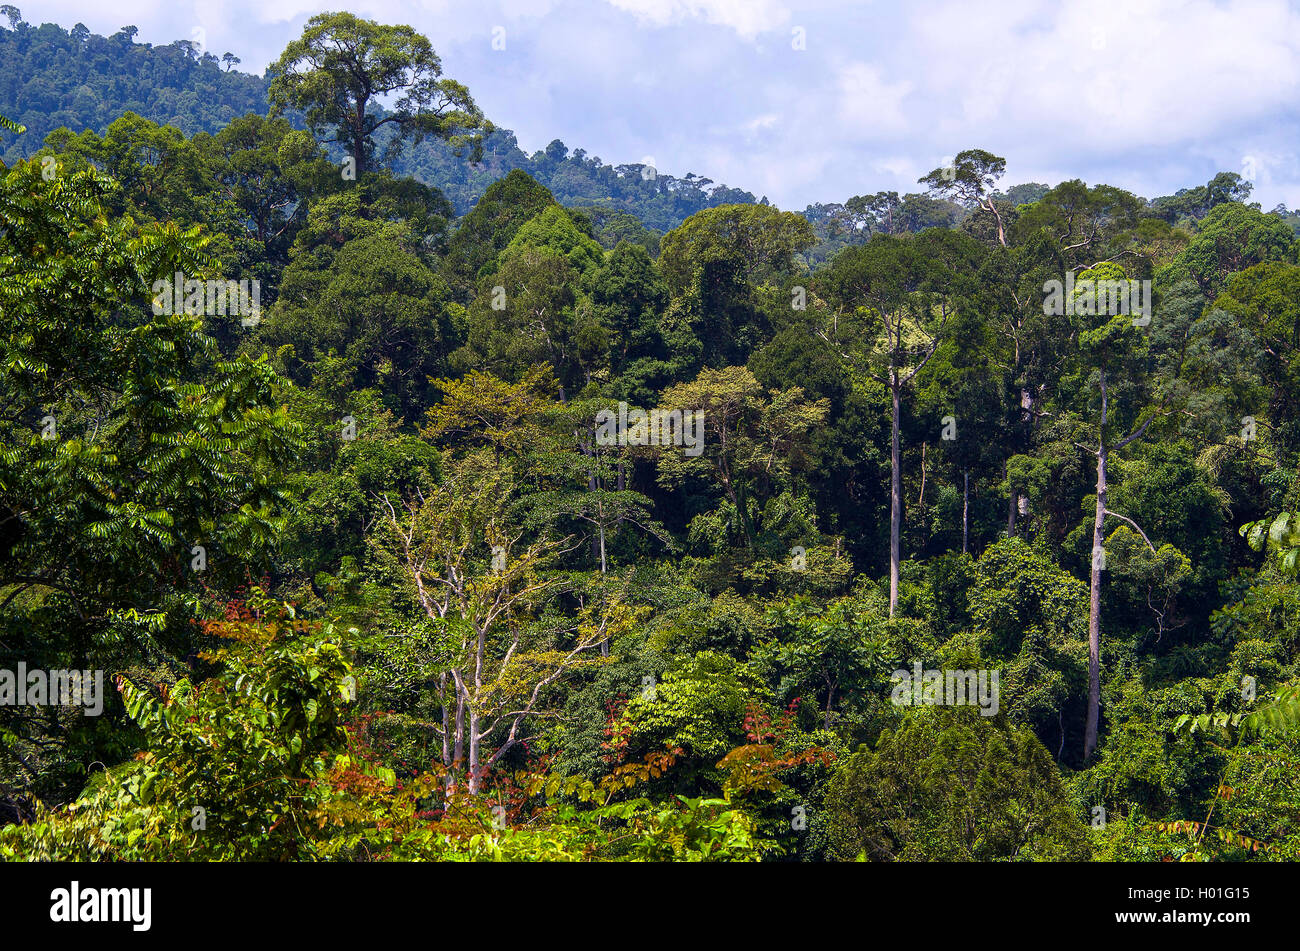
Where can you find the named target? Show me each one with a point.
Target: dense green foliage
(369, 579)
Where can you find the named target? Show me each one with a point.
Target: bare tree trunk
(449, 781)
(458, 757)
(475, 780)
(1028, 415)
(965, 508)
(895, 500)
(1002, 234)
(597, 546)
(600, 517)
(1094, 612)
(920, 498)
(1011, 508)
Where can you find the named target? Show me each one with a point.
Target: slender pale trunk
(1027, 405)
(589, 451)
(449, 780)
(895, 500)
(965, 508)
(1011, 508)
(458, 756)
(1094, 611)
(1016, 501)
(920, 498)
(604, 645)
(1002, 233)
(474, 777)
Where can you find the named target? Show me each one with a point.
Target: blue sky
(1150, 95)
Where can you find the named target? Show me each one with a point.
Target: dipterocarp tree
(761, 240)
(1264, 301)
(372, 308)
(1117, 401)
(1069, 229)
(269, 170)
(970, 180)
(890, 303)
(342, 67)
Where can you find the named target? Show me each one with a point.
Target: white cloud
(869, 104)
(747, 17)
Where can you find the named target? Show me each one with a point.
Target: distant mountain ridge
(52, 78)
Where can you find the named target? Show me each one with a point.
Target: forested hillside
(384, 522)
(52, 78)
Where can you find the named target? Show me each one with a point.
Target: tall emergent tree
(970, 180)
(340, 71)
(891, 301)
(1110, 377)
